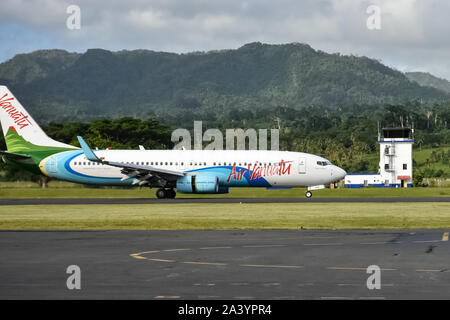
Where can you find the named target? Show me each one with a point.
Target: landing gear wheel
(161, 193)
(171, 194)
(308, 194)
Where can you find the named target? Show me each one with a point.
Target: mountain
(26, 68)
(58, 85)
(426, 79)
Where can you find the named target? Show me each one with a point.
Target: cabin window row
(89, 163)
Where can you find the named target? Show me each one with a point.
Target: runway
(49, 201)
(235, 264)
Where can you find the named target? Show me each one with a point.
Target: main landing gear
(162, 193)
(308, 194)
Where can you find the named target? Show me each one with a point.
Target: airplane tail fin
(20, 130)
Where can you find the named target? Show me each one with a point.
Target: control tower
(396, 156)
(395, 166)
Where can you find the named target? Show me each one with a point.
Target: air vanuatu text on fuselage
(259, 170)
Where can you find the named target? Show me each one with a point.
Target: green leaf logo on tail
(17, 144)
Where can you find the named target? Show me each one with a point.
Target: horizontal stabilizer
(14, 156)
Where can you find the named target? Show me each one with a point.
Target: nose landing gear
(308, 192)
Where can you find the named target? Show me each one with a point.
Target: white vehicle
(187, 171)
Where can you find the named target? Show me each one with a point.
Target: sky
(409, 35)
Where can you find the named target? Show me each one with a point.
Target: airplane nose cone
(341, 173)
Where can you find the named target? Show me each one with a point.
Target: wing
(143, 174)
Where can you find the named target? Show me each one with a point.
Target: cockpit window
(323, 163)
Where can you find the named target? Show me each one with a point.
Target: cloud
(413, 33)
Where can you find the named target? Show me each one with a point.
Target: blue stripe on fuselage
(65, 172)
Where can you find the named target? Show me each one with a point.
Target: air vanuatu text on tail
(187, 171)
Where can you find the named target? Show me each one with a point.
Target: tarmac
(235, 264)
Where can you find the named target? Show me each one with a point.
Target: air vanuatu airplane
(187, 171)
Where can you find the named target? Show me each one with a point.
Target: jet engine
(200, 184)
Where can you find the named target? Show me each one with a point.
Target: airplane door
(302, 165)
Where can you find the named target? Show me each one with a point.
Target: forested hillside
(59, 86)
(428, 80)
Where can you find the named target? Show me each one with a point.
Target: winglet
(90, 155)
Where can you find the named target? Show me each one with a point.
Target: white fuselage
(233, 168)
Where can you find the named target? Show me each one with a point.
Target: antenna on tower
(378, 126)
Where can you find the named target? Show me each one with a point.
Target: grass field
(228, 216)
(68, 190)
(222, 216)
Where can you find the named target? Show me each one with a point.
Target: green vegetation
(428, 80)
(228, 216)
(434, 162)
(60, 86)
(58, 189)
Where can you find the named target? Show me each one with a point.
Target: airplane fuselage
(233, 168)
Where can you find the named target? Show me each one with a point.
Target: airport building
(396, 167)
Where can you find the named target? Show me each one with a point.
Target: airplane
(186, 171)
